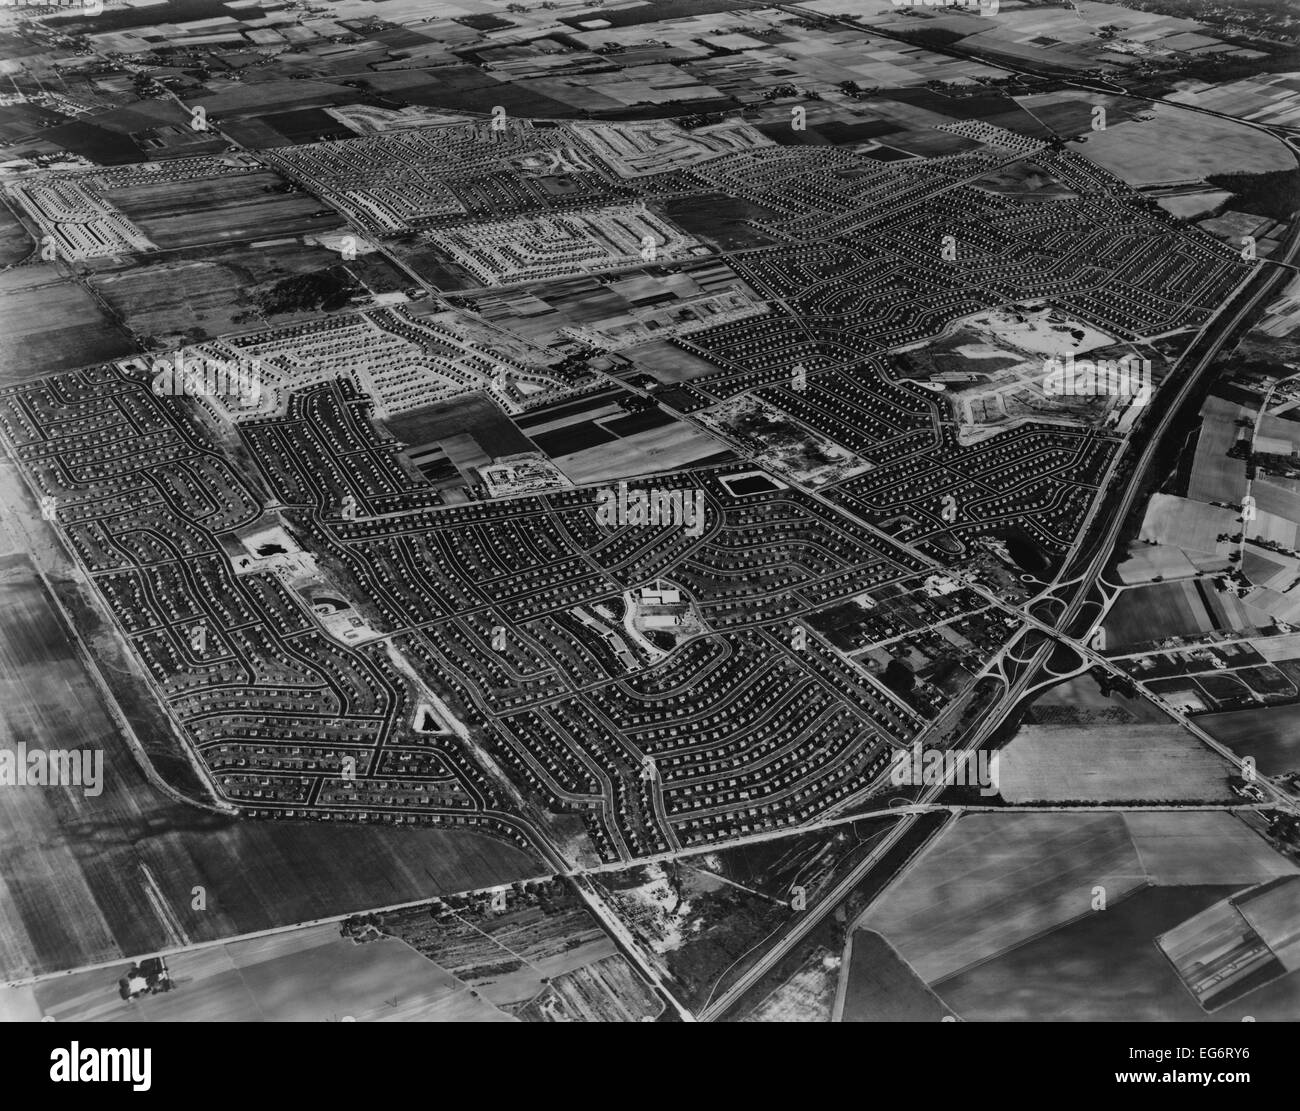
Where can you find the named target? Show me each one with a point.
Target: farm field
(568, 410)
(1106, 967)
(992, 881)
(306, 975)
(51, 324)
(1111, 763)
(1215, 475)
(1174, 609)
(1273, 911)
(1191, 526)
(1271, 734)
(474, 414)
(1268, 98)
(1189, 147)
(880, 987)
(508, 959)
(62, 906)
(220, 209)
(15, 242)
(1237, 945)
(1002, 879)
(669, 363)
(1208, 847)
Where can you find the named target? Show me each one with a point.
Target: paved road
(1202, 351)
(1208, 342)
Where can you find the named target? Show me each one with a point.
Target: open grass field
(670, 363)
(51, 324)
(725, 222)
(475, 415)
(1271, 734)
(1215, 476)
(1179, 145)
(1079, 701)
(660, 449)
(15, 242)
(87, 879)
(433, 265)
(220, 209)
(1202, 848)
(175, 303)
(185, 296)
(306, 975)
(1111, 763)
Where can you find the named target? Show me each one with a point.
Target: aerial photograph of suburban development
(650, 511)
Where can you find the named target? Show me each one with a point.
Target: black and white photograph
(651, 511)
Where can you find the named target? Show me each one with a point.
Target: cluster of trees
(899, 678)
(1275, 194)
(326, 290)
(737, 922)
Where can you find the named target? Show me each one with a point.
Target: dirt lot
(1179, 145)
